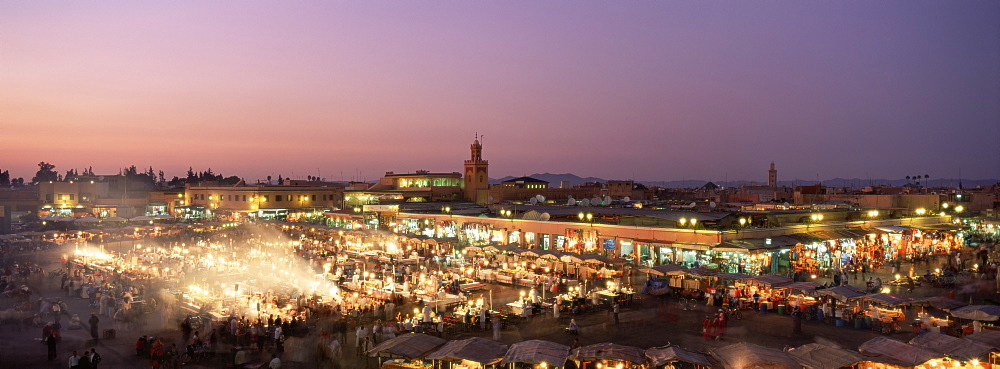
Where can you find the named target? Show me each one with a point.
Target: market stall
(536, 352)
(409, 346)
(884, 311)
(820, 356)
(988, 337)
(952, 346)
(885, 352)
(608, 355)
(767, 288)
(469, 353)
(659, 357)
(801, 295)
(750, 356)
(986, 313)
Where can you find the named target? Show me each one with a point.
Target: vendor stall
(469, 353)
(886, 352)
(408, 346)
(659, 357)
(608, 355)
(750, 356)
(537, 352)
(952, 346)
(820, 356)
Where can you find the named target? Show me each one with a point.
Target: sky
(645, 90)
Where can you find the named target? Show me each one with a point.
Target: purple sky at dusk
(651, 90)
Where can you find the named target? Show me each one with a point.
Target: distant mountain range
(555, 179)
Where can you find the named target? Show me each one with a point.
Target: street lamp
(589, 217)
(921, 211)
(682, 221)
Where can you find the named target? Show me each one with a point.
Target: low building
(259, 201)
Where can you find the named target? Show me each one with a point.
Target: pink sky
(644, 90)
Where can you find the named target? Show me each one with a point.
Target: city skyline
(652, 92)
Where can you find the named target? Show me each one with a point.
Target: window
(277, 197)
(72, 197)
(48, 197)
(314, 198)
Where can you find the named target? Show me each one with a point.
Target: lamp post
(589, 217)
(814, 218)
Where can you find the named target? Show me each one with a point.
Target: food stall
(884, 352)
(608, 355)
(528, 354)
(767, 287)
(954, 347)
(471, 353)
(406, 349)
(820, 356)
(801, 295)
(838, 304)
(976, 314)
(884, 310)
(675, 357)
(750, 356)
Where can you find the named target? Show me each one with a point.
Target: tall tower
(772, 177)
(477, 177)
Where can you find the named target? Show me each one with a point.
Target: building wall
(253, 198)
(620, 189)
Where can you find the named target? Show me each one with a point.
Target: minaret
(772, 177)
(477, 183)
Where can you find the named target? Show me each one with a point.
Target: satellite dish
(692, 204)
(711, 204)
(571, 202)
(585, 202)
(540, 198)
(545, 217)
(786, 204)
(490, 199)
(595, 201)
(533, 201)
(626, 199)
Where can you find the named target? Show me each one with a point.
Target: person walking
(93, 325)
(50, 341)
(615, 309)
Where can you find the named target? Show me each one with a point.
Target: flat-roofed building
(265, 201)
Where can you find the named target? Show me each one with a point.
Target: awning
(662, 270)
(659, 356)
(819, 356)
(769, 281)
(893, 229)
(978, 312)
(609, 351)
(842, 293)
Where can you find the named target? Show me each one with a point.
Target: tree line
(47, 172)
